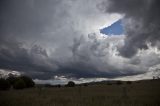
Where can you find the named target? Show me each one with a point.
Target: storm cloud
(48, 38)
(141, 22)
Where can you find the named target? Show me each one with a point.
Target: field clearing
(143, 93)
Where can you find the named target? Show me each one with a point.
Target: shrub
(19, 84)
(4, 84)
(28, 81)
(70, 84)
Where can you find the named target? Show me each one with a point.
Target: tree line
(16, 82)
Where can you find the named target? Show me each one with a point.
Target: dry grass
(145, 93)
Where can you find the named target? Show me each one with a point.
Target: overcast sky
(60, 39)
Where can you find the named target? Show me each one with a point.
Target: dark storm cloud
(45, 38)
(25, 20)
(25, 17)
(20, 22)
(33, 62)
(142, 24)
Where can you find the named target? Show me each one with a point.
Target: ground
(139, 93)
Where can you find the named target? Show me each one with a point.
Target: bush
(70, 84)
(4, 84)
(19, 84)
(28, 81)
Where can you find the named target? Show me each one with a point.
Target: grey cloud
(141, 20)
(96, 57)
(27, 27)
(32, 61)
(55, 37)
(25, 18)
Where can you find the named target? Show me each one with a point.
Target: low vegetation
(139, 93)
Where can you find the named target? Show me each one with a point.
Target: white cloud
(5, 73)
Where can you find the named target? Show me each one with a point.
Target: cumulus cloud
(44, 39)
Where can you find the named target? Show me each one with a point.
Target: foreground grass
(145, 93)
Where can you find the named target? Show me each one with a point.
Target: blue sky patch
(115, 29)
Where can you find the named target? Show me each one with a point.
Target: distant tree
(4, 84)
(19, 84)
(28, 81)
(48, 85)
(129, 82)
(70, 84)
(119, 83)
(85, 84)
(109, 83)
(138, 81)
(58, 85)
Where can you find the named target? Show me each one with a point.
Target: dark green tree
(4, 84)
(70, 84)
(28, 81)
(19, 84)
(12, 79)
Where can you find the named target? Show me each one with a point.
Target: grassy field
(143, 93)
